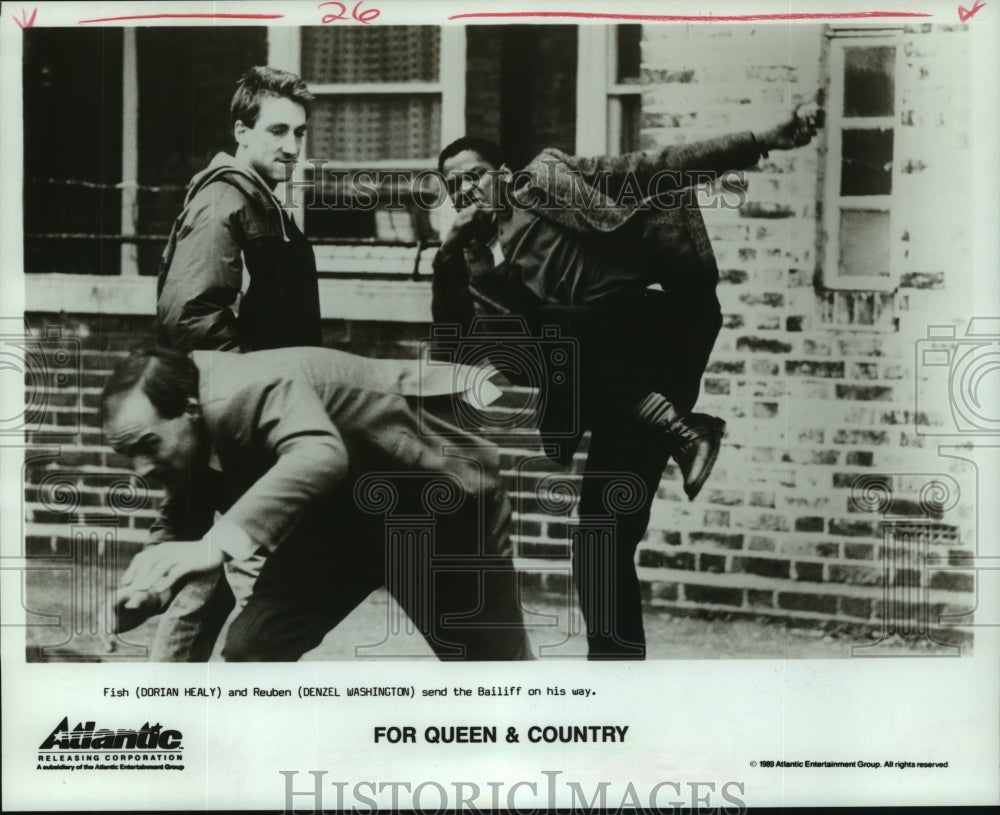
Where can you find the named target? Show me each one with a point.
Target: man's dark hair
(262, 81)
(167, 378)
(484, 147)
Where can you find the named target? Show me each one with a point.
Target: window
(387, 99)
(72, 150)
(116, 121)
(624, 95)
(861, 127)
(609, 89)
(149, 107)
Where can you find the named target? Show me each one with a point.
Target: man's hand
(796, 132)
(468, 223)
(157, 568)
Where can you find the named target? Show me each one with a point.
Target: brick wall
(818, 386)
(830, 494)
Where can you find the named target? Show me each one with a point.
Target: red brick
(716, 517)
(859, 551)
(542, 549)
(666, 591)
(767, 520)
(855, 529)
(855, 575)
(711, 563)
(762, 344)
(807, 367)
(726, 367)
(859, 607)
(860, 437)
(822, 604)
(757, 543)
(766, 567)
(809, 572)
(865, 393)
(953, 581)
(713, 594)
(666, 560)
(726, 541)
(726, 497)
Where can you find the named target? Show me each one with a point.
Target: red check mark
(26, 21)
(965, 14)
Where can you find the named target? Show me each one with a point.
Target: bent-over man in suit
(283, 464)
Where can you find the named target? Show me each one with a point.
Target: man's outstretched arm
(684, 165)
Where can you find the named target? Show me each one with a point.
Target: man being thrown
(577, 242)
(282, 464)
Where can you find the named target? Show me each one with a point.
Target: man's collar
(213, 460)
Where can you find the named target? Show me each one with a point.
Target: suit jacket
(294, 429)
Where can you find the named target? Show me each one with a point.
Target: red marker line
(184, 17)
(693, 18)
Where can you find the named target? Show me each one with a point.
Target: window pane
(371, 54)
(72, 149)
(186, 81)
(375, 127)
(869, 81)
(629, 113)
(864, 243)
(371, 204)
(629, 52)
(866, 162)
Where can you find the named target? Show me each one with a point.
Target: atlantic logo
(86, 736)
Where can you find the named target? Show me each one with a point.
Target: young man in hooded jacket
(233, 220)
(237, 274)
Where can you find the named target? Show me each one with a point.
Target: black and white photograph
(573, 406)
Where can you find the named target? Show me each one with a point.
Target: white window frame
(833, 201)
(599, 95)
(284, 50)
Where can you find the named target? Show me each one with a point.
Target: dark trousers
(650, 342)
(620, 480)
(454, 578)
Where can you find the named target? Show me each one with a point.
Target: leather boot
(694, 439)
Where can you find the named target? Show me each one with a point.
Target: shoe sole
(126, 619)
(695, 488)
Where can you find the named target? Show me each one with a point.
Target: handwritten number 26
(364, 17)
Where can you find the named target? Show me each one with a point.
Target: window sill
(402, 301)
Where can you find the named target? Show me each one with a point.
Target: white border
(689, 722)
